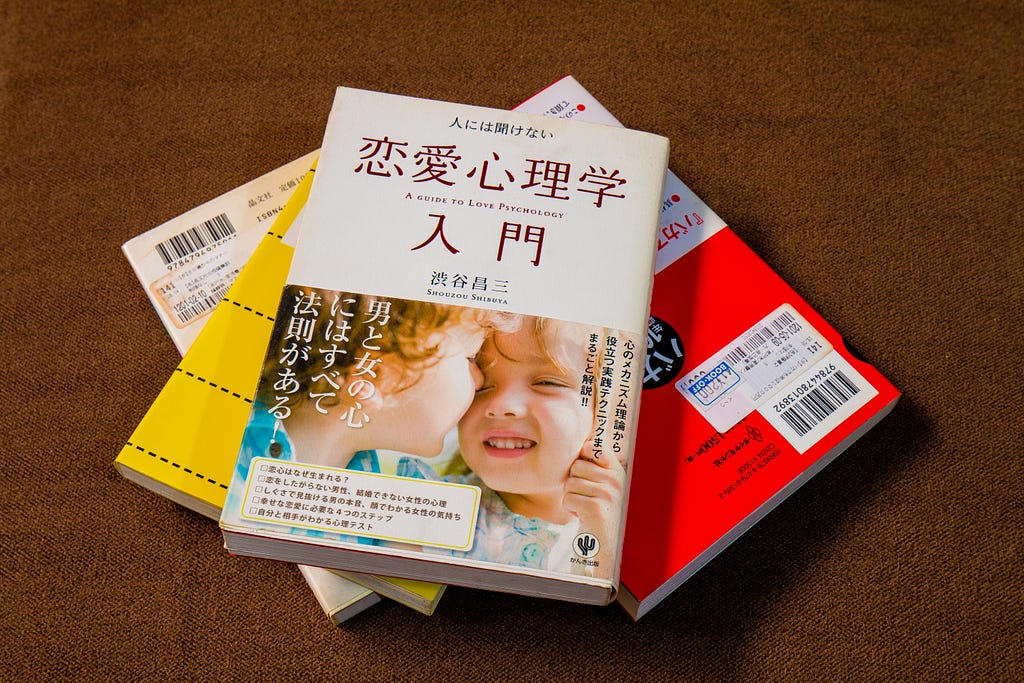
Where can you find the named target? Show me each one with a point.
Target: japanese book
(187, 264)
(748, 391)
(459, 269)
(340, 598)
(185, 446)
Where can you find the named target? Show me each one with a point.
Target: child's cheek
(585, 421)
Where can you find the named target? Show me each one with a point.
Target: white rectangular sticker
(188, 263)
(808, 408)
(417, 511)
(742, 376)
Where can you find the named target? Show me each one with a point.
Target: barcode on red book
(820, 402)
(195, 238)
(759, 337)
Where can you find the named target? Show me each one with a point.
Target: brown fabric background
(871, 152)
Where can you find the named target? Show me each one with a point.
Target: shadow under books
(732, 593)
(725, 604)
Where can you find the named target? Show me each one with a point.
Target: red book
(748, 391)
(762, 394)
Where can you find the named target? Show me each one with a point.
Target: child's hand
(593, 492)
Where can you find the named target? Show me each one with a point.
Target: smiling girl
(527, 438)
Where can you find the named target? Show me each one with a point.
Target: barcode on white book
(820, 402)
(195, 238)
(759, 337)
(196, 308)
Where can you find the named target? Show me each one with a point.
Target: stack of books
(418, 355)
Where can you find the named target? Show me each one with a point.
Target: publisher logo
(586, 545)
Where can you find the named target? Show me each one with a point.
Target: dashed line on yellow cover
(214, 385)
(249, 309)
(180, 467)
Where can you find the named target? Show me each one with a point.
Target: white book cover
(188, 263)
(467, 270)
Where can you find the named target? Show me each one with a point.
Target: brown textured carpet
(871, 152)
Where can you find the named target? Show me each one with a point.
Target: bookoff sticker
(747, 372)
(332, 499)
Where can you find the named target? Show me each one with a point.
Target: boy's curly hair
(342, 321)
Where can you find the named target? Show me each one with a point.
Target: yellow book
(186, 445)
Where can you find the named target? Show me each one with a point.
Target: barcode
(821, 402)
(197, 308)
(195, 238)
(760, 336)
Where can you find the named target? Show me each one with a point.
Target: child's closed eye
(552, 383)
